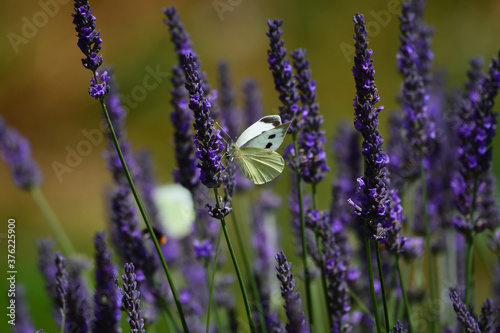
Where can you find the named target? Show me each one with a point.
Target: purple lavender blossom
(126, 234)
(186, 172)
(489, 210)
(252, 101)
(203, 249)
(24, 323)
(463, 316)
(192, 310)
(117, 115)
(89, 40)
(398, 328)
(183, 46)
(107, 296)
(15, 150)
(420, 129)
(207, 139)
(312, 139)
(296, 318)
(48, 269)
(486, 319)
(284, 81)
(77, 306)
(146, 182)
(61, 278)
(373, 195)
(231, 115)
(131, 299)
(475, 134)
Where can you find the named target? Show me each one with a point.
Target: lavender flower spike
(284, 81)
(295, 315)
(464, 316)
(207, 139)
(420, 129)
(89, 40)
(131, 302)
(372, 197)
(186, 172)
(107, 297)
(24, 324)
(398, 328)
(61, 283)
(15, 150)
(312, 138)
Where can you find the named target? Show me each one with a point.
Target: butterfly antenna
(220, 127)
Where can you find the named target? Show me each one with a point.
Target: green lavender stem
(382, 286)
(51, 217)
(428, 249)
(212, 282)
(250, 273)
(403, 292)
(470, 250)
(372, 286)
(236, 266)
(304, 244)
(145, 216)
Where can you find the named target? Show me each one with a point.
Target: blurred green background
(43, 90)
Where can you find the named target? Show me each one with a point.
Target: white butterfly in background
(254, 151)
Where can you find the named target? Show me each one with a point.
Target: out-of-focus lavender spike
(146, 182)
(486, 319)
(264, 241)
(419, 128)
(23, 321)
(61, 282)
(231, 115)
(15, 150)
(117, 115)
(48, 269)
(207, 139)
(475, 134)
(312, 138)
(107, 296)
(131, 300)
(373, 197)
(127, 236)
(463, 316)
(489, 210)
(423, 41)
(398, 328)
(252, 101)
(284, 81)
(192, 310)
(77, 313)
(183, 46)
(296, 318)
(186, 172)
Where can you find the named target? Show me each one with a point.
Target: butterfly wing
(270, 139)
(262, 125)
(259, 165)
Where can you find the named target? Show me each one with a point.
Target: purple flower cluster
(186, 172)
(420, 129)
(296, 318)
(477, 127)
(207, 139)
(312, 138)
(131, 299)
(107, 296)
(373, 195)
(89, 40)
(15, 150)
(463, 316)
(398, 328)
(24, 324)
(284, 81)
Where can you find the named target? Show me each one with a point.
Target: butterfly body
(255, 150)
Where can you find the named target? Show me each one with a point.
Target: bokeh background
(43, 88)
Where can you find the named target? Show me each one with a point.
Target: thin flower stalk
(90, 42)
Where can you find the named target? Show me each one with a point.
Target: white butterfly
(254, 151)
